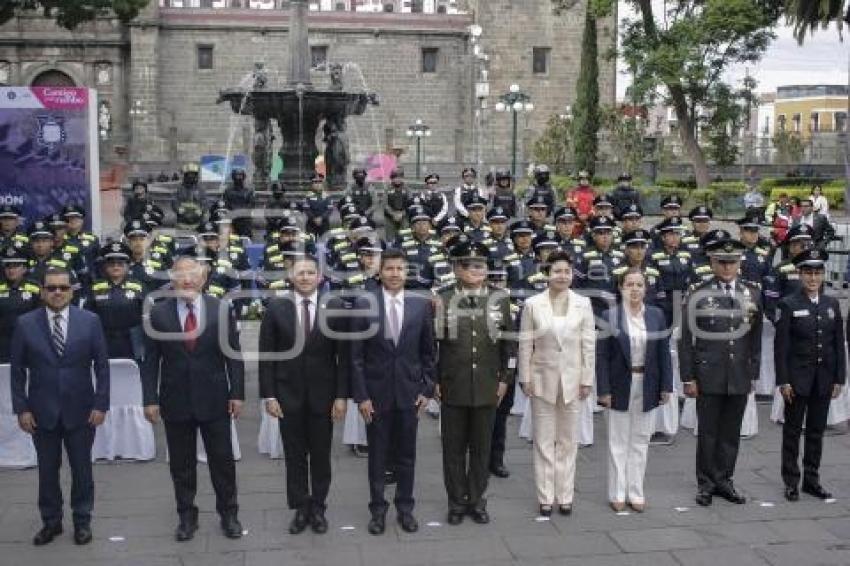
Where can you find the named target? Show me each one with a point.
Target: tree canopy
(71, 13)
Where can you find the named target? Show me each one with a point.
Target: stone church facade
(158, 78)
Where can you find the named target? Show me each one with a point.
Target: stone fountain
(298, 108)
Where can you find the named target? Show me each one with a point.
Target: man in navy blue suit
(53, 352)
(392, 376)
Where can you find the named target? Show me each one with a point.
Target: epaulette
(216, 291)
(689, 239)
(31, 288)
(511, 257)
(549, 228)
(682, 253)
(578, 242)
(348, 257)
(436, 257)
(165, 238)
(356, 279)
(70, 248)
(591, 254)
(787, 268)
(221, 262)
(4, 286)
(536, 277)
(652, 272)
(617, 253)
(100, 286)
(57, 263)
(405, 232)
(700, 269)
(271, 248)
(236, 249)
(340, 246)
(487, 241)
(87, 236)
(408, 244)
(761, 251)
(620, 270)
(336, 232)
(433, 242)
(133, 286)
(658, 255)
(281, 284)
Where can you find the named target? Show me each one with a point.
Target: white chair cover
(16, 447)
(666, 417)
(767, 374)
(269, 441)
(749, 425)
(124, 433)
(354, 428)
(526, 429)
(839, 408)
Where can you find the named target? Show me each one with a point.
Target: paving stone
(657, 539)
(737, 556)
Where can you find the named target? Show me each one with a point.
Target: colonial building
(445, 62)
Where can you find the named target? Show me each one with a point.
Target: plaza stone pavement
(135, 518)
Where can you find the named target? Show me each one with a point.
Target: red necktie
(190, 326)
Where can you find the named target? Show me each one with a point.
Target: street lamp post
(514, 101)
(418, 130)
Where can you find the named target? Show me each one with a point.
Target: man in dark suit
(392, 374)
(810, 366)
(304, 382)
(52, 356)
(189, 378)
(719, 357)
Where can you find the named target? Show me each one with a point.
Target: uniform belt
(637, 369)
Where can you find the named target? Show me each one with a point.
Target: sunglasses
(57, 288)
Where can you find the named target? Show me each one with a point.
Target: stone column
(299, 47)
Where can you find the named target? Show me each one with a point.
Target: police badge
(51, 132)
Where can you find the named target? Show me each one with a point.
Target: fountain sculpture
(298, 108)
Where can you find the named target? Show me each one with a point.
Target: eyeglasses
(57, 288)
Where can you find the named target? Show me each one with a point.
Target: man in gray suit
(189, 379)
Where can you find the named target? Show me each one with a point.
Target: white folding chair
(16, 447)
(125, 433)
(269, 440)
(234, 441)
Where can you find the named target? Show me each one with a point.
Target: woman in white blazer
(557, 346)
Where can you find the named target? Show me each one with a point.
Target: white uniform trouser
(555, 449)
(628, 443)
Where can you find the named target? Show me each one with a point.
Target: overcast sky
(822, 59)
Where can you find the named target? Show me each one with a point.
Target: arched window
(53, 77)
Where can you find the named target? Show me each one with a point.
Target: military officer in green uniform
(476, 365)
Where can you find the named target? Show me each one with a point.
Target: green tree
(585, 126)
(808, 15)
(680, 55)
(71, 13)
(553, 146)
(728, 112)
(789, 147)
(624, 138)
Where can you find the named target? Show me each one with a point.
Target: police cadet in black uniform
(88, 243)
(442, 270)
(810, 371)
(499, 242)
(503, 196)
(635, 245)
(784, 279)
(278, 255)
(42, 255)
(135, 204)
(240, 197)
(538, 209)
(758, 255)
(673, 265)
(671, 206)
(10, 228)
(542, 186)
(67, 251)
(395, 207)
(432, 199)
(476, 224)
(361, 193)
(595, 268)
(420, 248)
(467, 190)
(624, 194)
(190, 200)
(521, 262)
(148, 270)
(566, 218)
(700, 217)
(18, 295)
(631, 218)
(719, 357)
(317, 207)
(278, 206)
(603, 206)
(118, 300)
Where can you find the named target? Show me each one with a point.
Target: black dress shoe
(408, 523)
(792, 493)
(318, 522)
(298, 523)
(231, 526)
(479, 516)
(82, 535)
(377, 524)
(545, 510)
(500, 471)
(455, 517)
(703, 498)
(185, 530)
(816, 490)
(47, 534)
(389, 477)
(729, 493)
(565, 509)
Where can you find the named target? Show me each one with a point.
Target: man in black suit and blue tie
(190, 378)
(392, 375)
(52, 356)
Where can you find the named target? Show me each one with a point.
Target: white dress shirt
(390, 302)
(299, 307)
(636, 325)
(183, 310)
(64, 313)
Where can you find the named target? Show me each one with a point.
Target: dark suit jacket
(822, 230)
(59, 387)
(809, 344)
(614, 360)
(393, 376)
(724, 357)
(316, 373)
(191, 385)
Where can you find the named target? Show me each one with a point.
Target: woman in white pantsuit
(556, 370)
(634, 375)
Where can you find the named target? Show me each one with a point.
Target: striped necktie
(58, 334)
